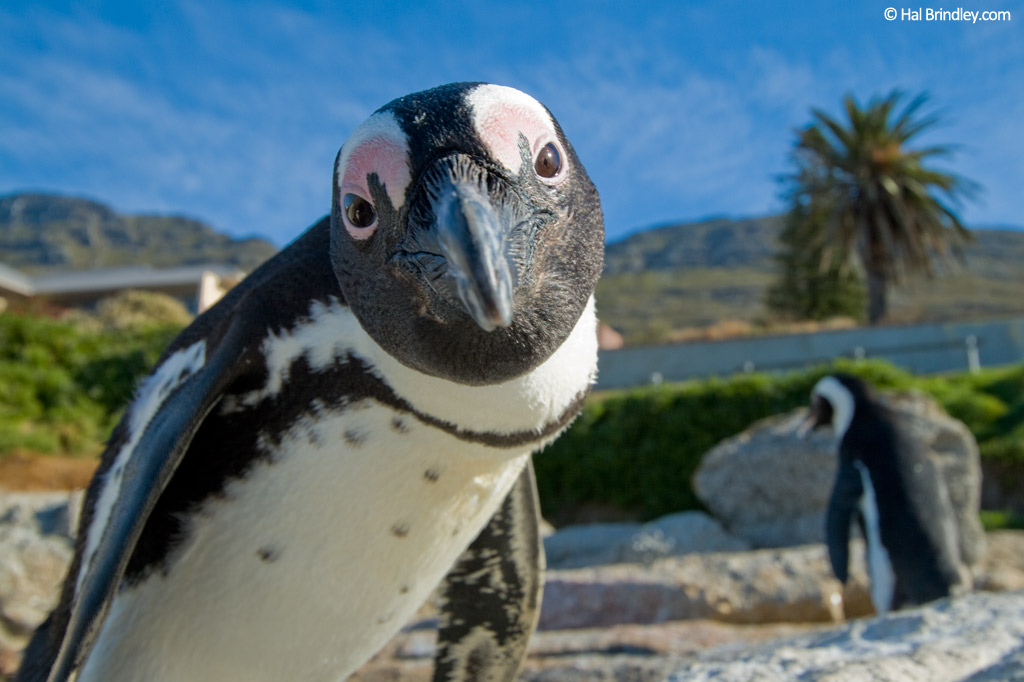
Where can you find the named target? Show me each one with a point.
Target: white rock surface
(973, 638)
(600, 544)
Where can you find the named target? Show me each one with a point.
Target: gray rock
(765, 586)
(771, 488)
(35, 550)
(49, 513)
(589, 544)
(768, 486)
(780, 585)
(977, 637)
(955, 452)
(1001, 569)
(681, 534)
(600, 544)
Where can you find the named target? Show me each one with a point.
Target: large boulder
(598, 544)
(771, 487)
(766, 586)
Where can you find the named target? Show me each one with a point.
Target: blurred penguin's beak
(818, 416)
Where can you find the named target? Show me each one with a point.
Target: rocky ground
(976, 638)
(731, 615)
(759, 615)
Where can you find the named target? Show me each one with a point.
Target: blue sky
(232, 112)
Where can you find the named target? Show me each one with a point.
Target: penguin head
(834, 400)
(465, 234)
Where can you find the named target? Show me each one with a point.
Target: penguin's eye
(549, 161)
(359, 211)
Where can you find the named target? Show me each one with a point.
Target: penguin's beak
(471, 235)
(472, 240)
(818, 416)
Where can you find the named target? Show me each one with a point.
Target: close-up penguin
(351, 426)
(887, 482)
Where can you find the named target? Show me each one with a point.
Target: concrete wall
(921, 349)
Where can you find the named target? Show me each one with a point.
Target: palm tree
(804, 287)
(878, 197)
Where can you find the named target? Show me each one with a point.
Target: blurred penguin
(887, 481)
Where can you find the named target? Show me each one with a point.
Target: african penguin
(888, 483)
(353, 423)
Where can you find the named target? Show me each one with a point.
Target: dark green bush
(1001, 520)
(636, 451)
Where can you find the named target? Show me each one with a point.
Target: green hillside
(696, 274)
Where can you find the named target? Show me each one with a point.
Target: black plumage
(885, 472)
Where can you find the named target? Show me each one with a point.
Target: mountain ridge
(665, 278)
(684, 275)
(43, 232)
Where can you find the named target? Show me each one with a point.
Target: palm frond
(873, 195)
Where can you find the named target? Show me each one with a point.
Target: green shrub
(62, 386)
(1001, 520)
(636, 451)
(134, 309)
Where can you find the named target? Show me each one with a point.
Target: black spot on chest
(269, 554)
(355, 437)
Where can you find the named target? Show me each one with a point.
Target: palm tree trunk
(877, 303)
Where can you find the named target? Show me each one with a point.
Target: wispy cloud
(233, 112)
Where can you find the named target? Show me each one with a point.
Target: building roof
(82, 285)
(130, 277)
(12, 281)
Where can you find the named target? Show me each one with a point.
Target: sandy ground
(32, 472)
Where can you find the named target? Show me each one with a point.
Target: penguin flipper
(842, 506)
(180, 395)
(491, 598)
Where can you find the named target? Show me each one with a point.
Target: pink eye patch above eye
(377, 146)
(500, 119)
(385, 157)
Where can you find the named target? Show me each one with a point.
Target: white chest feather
(880, 572)
(317, 557)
